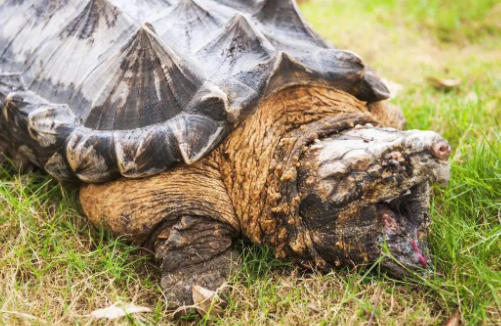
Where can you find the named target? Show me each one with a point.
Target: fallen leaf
(313, 307)
(118, 310)
(444, 84)
(472, 97)
(453, 321)
(203, 299)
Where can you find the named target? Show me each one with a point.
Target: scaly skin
(312, 174)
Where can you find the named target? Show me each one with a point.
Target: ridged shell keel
(345, 71)
(240, 60)
(282, 19)
(142, 11)
(106, 88)
(66, 68)
(238, 47)
(188, 26)
(248, 6)
(144, 84)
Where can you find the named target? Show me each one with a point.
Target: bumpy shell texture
(98, 89)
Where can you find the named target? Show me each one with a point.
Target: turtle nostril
(394, 164)
(441, 149)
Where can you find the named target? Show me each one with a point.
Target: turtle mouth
(403, 221)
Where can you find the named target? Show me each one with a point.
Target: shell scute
(188, 26)
(58, 167)
(150, 84)
(26, 26)
(144, 152)
(282, 19)
(241, 58)
(98, 32)
(90, 155)
(186, 131)
(41, 126)
(237, 48)
(143, 11)
(47, 124)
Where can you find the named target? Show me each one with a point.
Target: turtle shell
(98, 89)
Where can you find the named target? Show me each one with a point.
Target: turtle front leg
(197, 260)
(184, 216)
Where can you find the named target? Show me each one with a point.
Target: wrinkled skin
(370, 190)
(314, 174)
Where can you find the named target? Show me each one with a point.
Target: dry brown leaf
(203, 299)
(313, 307)
(454, 320)
(118, 310)
(444, 84)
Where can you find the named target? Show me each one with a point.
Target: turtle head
(365, 196)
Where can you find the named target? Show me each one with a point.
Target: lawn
(55, 268)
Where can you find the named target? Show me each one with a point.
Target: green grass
(55, 268)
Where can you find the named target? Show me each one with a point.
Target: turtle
(189, 123)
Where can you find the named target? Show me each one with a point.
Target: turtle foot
(202, 286)
(197, 261)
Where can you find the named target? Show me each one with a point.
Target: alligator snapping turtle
(191, 122)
